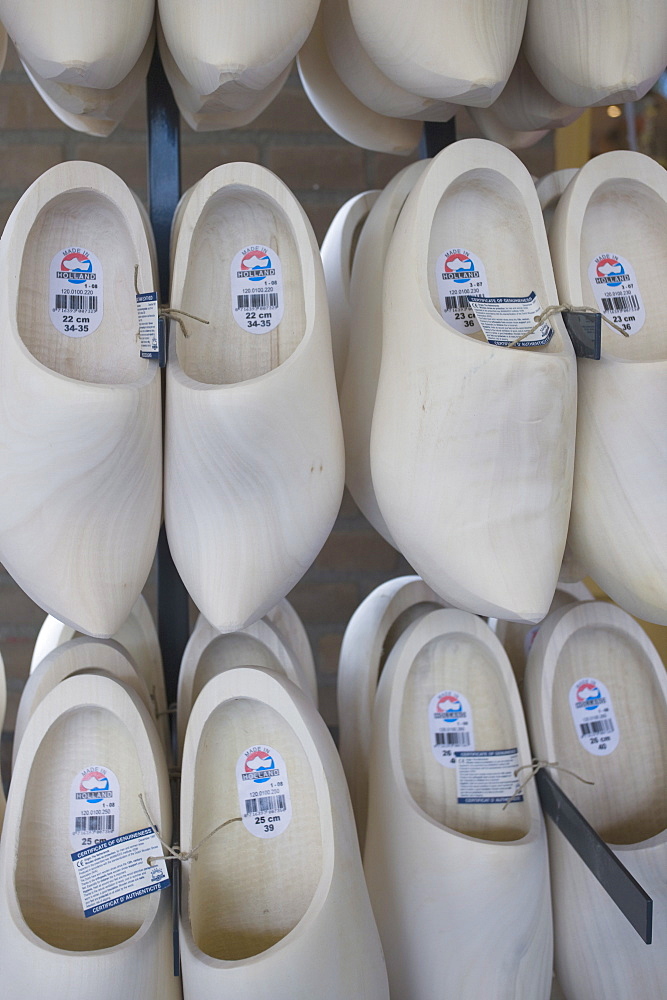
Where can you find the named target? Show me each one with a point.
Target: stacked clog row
(471, 450)
(253, 444)
(439, 763)
(273, 887)
(522, 68)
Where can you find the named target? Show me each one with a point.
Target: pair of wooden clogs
(273, 888)
(460, 450)
(254, 457)
(458, 875)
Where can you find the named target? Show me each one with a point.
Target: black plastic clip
(633, 902)
(585, 330)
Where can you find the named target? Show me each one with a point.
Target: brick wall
(323, 171)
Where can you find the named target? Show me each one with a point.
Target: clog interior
(458, 662)
(485, 214)
(223, 352)
(247, 893)
(109, 355)
(627, 218)
(46, 886)
(627, 803)
(232, 650)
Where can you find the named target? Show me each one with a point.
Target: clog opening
(458, 664)
(483, 215)
(46, 886)
(73, 237)
(627, 803)
(247, 892)
(626, 218)
(240, 219)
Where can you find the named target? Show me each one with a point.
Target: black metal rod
(633, 902)
(436, 136)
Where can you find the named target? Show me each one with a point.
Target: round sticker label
(458, 274)
(257, 289)
(616, 291)
(450, 726)
(593, 716)
(264, 797)
(94, 807)
(76, 292)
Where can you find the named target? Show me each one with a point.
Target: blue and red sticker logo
(76, 267)
(94, 787)
(610, 272)
(259, 766)
(255, 266)
(449, 707)
(459, 268)
(588, 696)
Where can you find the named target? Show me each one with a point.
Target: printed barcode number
(94, 824)
(76, 303)
(260, 300)
(598, 726)
(453, 302)
(452, 739)
(265, 804)
(621, 303)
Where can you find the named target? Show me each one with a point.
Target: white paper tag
(616, 291)
(76, 292)
(264, 797)
(487, 776)
(94, 806)
(450, 726)
(118, 871)
(149, 328)
(458, 274)
(593, 716)
(505, 318)
(257, 289)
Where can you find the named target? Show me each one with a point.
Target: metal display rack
(173, 602)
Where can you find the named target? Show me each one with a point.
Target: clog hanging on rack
(443, 52)
(372, 631)
(93, 48)
(78, 656)
(357, 395)
(491, 128)
(438, 836)
(216, 42)
(587, 54)
(287, 623)
(472, 444)
(549, 190)
(343, 111)
(609, 252)
(338, 249)
(596, 702)
(80, 421)
(254, 457)
(258, 754)
(91, 110)
(88, 729)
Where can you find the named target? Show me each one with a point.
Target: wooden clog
(209, 652)
(138, 636)
(306, 925)
(357, 396)
(91, 110)
(80, 421)
(438, 835)
(362, 77)
(597, 704)
(462, 56)
(292, 631)
(491, 128)
(608, 247)
(47, 945)
(343, 111)
(372, 630)
(479, 505)
(217, 42)
(585, 54)
(549, 189)
(338, 249)
(78, 656)
(254, 457)
(97, 49)
(524, 105)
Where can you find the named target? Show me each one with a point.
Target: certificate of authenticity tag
(118, 871)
